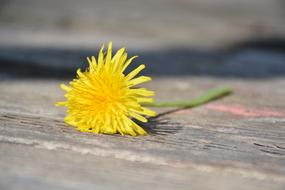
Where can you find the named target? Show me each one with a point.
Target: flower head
(103, 99)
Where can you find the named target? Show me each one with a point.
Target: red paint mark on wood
(182, 112)
(241, 110)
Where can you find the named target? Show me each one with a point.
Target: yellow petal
(122, 61)
(144, 111)
(92, 63)
(101, 57)
(79, 73)
(138, 80)
(109, 54)
(138, 129)
(135, 72)
(129, 61)
(60, 103)
(118, 55)
(148, 112)
(142, 92)
(65, 88)
(145, 100)
(138, 117)
(127, 125)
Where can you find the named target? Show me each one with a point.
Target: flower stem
(211, 95)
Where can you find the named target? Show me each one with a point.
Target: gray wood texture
(237, 142)
(204, 147)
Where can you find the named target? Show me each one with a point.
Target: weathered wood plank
(238, 139)
(139, 23)
(235, 143)
(28, 167)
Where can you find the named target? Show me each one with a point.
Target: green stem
(212, 94)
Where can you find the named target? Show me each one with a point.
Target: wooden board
(237, 142)
(233, 141)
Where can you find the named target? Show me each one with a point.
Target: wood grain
(237, 142)
(182, 150)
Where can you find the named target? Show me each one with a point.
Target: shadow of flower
(161, 126)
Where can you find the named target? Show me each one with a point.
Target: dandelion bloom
(103, 99)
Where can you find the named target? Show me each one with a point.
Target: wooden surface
(237, 142)
(233, 141)
(139, 23)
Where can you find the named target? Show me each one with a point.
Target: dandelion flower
(104, 99)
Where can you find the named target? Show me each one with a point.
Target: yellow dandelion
(104, 99)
